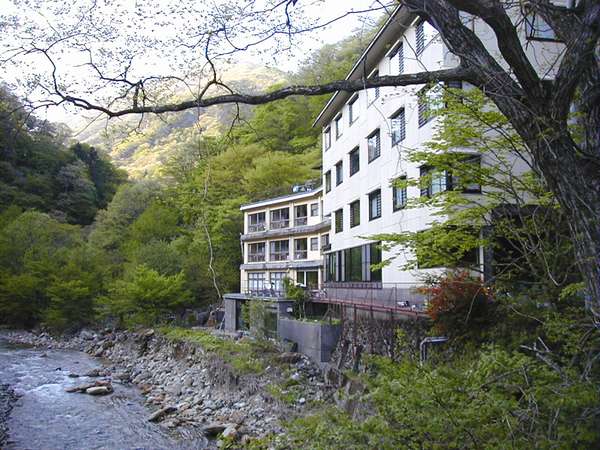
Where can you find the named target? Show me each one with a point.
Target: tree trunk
(574, 178)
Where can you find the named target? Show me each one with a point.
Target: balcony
(301, 254)
(280, 224)
(256, 257)
(300, 221)
(256, 227)
(279, 256)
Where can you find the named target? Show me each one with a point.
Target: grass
(244, 356)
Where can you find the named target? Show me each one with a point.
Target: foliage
(145, 297)
(254, 314)
(458, 304)
(244, 356)
(515, 218)
(38, 171)
(297, 294)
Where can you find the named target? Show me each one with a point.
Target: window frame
(328, 181)
(314, 209)
(404, 194)
(339, 172)
(355, 152)
(376, 90)
(315, 241)
(375, 133)
(398, 51)
(398, 113)
(338, 126)
(352, 116)
(327, 137)
(354, 215)
(377, 193)
(338, 213)
(531, 28)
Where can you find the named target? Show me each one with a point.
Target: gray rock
(99, 390)
(157, 415)
(213, 428)
(289, 358)
(230, 431)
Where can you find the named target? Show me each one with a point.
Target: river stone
(214, 428)
(98, 390)
(230, 431)
(289, 358)
(157, 415)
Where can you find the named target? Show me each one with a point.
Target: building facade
(366, 136)
(283, 238)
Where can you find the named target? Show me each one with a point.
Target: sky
(158, 37)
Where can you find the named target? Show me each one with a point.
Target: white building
(282, 238)
(365, 137)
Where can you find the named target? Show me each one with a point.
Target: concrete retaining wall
(315, 340)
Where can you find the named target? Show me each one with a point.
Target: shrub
(459, 304)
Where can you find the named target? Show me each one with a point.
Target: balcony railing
(279, 256)
(256, 257)
(300, 221)
(255, 227)
(403, 298)
(301, 254)
(279, 224)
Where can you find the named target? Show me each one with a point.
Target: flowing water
(45, 417)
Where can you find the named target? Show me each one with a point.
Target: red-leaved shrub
(459, 303)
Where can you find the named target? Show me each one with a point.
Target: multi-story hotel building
(282, 238)
(365, 138)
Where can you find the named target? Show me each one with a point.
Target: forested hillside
(37, 170)
(151, 247)
(144, 147)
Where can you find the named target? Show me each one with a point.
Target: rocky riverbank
(7, 399)
(226, 385)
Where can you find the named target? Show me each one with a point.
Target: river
(45, 417)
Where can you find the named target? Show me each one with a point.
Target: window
(420, 37)
(375, 204)
(354, 161)
(256, 281)
(279, 250)
(300, 248)
(256, 222)
(339, 173)
(328, 181)
(327, 138)
(430, 99)
(324, 240)
(437, 181)
(398, 127)
(355, 213)
(467, 182)
(399, 193)
(400, 57)
(375, 258)
(314, 209)
(300, 215)
(256, 252)
(353, 110)
(314, 244)
(536, 28)
(374, 146)
(353, 264)
(374, 92)
(276, 279)
(338, 126)
(397, 59)
(280, 218)
(339, 221)
(441, 180)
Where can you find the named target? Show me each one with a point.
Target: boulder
(158, 415)
(289, 357)
(230, 431)
(213, 429)
(99, 390)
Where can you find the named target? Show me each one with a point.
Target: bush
(459, 304)
(145, 297)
